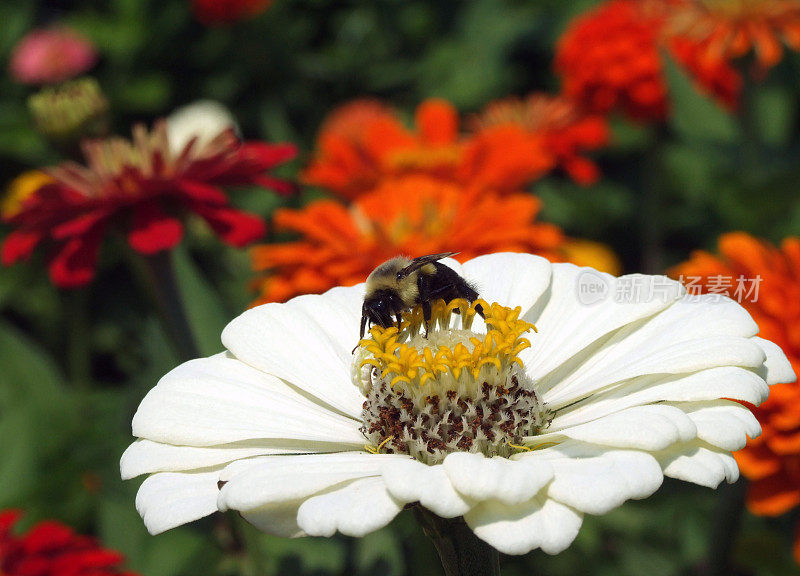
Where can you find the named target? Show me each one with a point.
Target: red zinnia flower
(52, 549)
(51, 55)
(143, 188)
(213, 12)
(565, 129)
(611, 59)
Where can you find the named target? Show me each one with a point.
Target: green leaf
(381, 548)
(694, 115)
(28, 372)
(203, 305)
(774, 110)
(19, 464)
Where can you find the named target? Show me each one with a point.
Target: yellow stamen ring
(402, 362)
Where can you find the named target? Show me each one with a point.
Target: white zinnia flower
(204, 120)
(613, 395)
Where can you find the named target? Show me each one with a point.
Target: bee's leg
(399, 320)
(479, 310)
(426, 314)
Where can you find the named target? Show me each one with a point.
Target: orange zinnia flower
(766, 281)
(363, 143)
(610, 59)
(567, 131)
(730, 29)
(412, 215)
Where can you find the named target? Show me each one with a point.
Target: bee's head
(378, 309)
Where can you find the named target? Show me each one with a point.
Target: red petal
(201, 192)
(234, 227)
(19, 245)
(283, 187)
(7, 520)
(75, 262)
(270, 154)
(152, 230)
(78, 226)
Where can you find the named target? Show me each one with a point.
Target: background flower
(730, 29)
(413, 215)
(52, 549)
(364, 142)
(610, 59)
(51, 55)
(144, 188)
(568, 132)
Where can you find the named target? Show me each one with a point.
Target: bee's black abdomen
(446, 284)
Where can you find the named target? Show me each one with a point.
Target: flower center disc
(454, 390)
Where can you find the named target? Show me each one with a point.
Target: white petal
(599, 484)
(518, 529)
(258, 481)
(169, 499)
(722, 423)
(355, 509)
(235, 402)
(509, 279)
(668, 357)
(699, 463)
(777, 368)
(509, 481)
(412, 481)
(568, 323)
(722, 382)
(693, 334)
(203, 119)
(146, 456)
(651, 427)
(307, 341)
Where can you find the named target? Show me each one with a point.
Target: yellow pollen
(400, 361)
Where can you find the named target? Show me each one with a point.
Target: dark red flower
(143, 189)
(214, 12)
(53, 549)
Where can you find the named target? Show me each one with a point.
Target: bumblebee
(402, 283)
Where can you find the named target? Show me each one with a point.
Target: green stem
(461, 552)
(159, 276)
(726, 527)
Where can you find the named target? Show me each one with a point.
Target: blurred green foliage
(76, 364)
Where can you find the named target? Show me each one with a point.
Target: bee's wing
(418, 263)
